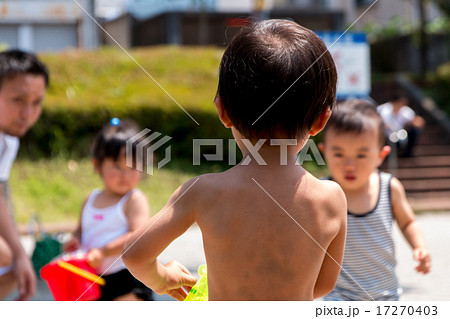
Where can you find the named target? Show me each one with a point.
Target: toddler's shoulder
(327, 186)
(394, 184)
(136, 197)
(137, 193)
(198, 187)
(204, 184)
(136, 204)
(88, 195)
(330, 196)
(397, 190)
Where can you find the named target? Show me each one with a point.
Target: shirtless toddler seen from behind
(271, 231)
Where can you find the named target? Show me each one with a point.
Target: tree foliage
(444, 6)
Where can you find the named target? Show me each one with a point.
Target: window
(360, 3)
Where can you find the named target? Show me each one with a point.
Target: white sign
(351, 54)
(243, 5)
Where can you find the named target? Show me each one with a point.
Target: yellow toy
(200, 290)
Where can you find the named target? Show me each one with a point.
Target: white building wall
(53, 37)
(8, 34)
(47, 25)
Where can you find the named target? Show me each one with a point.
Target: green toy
(200, 290)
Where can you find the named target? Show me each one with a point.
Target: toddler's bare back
(266, 235)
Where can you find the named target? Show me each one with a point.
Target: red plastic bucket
(68, 286)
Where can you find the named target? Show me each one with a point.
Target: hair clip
(114, 121)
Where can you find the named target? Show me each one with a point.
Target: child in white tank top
(109, 215)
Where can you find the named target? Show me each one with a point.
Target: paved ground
(435, 286)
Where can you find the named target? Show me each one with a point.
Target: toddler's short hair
(14, 62)
(356, 116)
(276, 60)
(112, 139)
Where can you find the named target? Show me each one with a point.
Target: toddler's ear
(223, 116)
(383, 153)
(321, 147)
(319, 124)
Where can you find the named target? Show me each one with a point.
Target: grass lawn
(55, 188)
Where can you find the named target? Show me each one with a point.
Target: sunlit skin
(118, 179)
(21, 100)
(353, 160)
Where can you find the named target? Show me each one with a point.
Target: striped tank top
(368, 270)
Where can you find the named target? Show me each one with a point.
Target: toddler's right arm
(331, 265)
(147, 242)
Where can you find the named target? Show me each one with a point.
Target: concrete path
(436, 284)
(188, 249)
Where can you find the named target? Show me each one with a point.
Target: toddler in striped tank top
(354, 148)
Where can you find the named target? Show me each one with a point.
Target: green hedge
(69, 134)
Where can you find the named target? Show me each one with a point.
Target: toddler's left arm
(407, 223)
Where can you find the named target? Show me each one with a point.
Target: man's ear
(223, 116)
(383, 153)
(319, 124)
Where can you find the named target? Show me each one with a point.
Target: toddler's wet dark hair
(281, 68)
(356, 116)
(111, 141)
